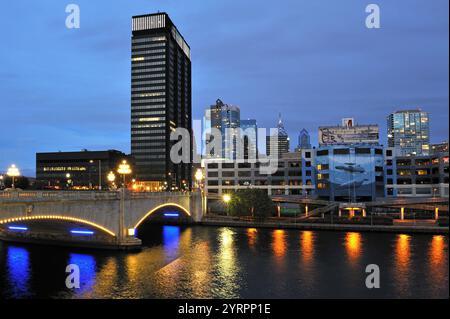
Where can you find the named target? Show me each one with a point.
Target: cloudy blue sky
(314, 61)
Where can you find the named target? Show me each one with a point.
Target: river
(225, 262)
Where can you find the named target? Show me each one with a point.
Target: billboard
(334, 135)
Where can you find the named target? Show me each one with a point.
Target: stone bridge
(99, 219)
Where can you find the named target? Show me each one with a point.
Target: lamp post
(99, 174)
(199, 178)
(13, 172)
(226, 199)
(68, 180)
(124, 170)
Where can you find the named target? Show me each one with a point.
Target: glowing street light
(199, 177)
(226, 198)
(124, 170)
(111, 177)
(13, 172)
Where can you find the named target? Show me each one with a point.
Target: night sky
(314, 61)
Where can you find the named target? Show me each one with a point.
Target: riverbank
(405, 229)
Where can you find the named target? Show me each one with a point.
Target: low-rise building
(294, 176)
(77, 170)
(417, 176)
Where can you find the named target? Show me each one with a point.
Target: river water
(226, 262)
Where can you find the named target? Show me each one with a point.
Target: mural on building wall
(353, 174)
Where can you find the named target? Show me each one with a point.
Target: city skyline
(63, 94)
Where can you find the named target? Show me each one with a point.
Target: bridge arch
(157, 208)
(58, 218)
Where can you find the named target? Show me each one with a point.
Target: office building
(78, 170)
(409, 132)
(304, 140)
(280, 140)
(225, 119)
(160, 100)
(250, 138)
(439, 148)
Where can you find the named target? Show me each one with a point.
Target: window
(227, 165)
(341, 151)
(213, 174)
(362, 151)
(388, 152)
(227, 174)
(213, 165)
(322, 153)
(307, 154)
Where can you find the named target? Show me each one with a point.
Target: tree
(251, 202)
(19, 182)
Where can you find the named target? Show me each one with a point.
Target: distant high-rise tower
(225, 118)
(281, 139)
(160, 98)
(409, 132)
(304, 140)
(250, 128)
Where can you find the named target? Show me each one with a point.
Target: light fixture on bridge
(124, 170)
(171, 214)
(13, 172)
(111, 177)
(131, 231)
(199, 177)
(82, 232)
(18, 228)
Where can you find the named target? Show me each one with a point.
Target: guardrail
(18, 196)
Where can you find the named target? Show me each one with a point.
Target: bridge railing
(56, 195)
(15, 196)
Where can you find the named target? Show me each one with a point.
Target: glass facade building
(304, 140)
(409, 132)
(160, 99)
(226, 119)
(280, 139)
(250, 129)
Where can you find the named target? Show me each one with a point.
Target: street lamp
(13, 172)
(199, 177)
(111, 178)
(124, 169)
(226, 198)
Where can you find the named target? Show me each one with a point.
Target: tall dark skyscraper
(160, 100)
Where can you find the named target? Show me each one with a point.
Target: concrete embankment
(330, 227)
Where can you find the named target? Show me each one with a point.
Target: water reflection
(18, 271)
(171, 240)
(402, 263)
(307, 247)
(228, 267)
(87, 266)
(437, 261)
(353, 246)
(279, 243)
(251, 234)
